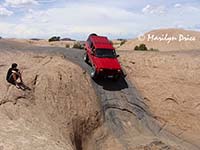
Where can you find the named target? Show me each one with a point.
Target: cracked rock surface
(55, 114)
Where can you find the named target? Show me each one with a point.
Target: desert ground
(170, 84)
(48, 116)
(43, 42)
(65, 44)
(155, 107)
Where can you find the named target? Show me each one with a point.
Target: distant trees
(67, 39)
(76, 44)
(35, 39)
(54, 38)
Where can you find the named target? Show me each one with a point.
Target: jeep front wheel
(85, 57)
(93, 74)
(116, 77)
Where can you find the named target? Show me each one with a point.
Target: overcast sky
(76, 19)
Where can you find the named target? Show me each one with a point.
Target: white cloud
(20, 3)
(18, 30)
(5, 12)
(33, 15)
(82, 18)
(46, 1)
(177, 5)
(148, 9)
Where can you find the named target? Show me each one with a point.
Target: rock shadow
(112, 85)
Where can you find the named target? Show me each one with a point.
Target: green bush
(123, 42)
(67, 46)
(152, 49)
(78, 46)
(54, 38)
(141, 47)
(136, 48)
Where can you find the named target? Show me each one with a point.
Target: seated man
(13, 74)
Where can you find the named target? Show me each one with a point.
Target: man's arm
(20, 76)
(18, 73)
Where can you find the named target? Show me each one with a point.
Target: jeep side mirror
(117, 55)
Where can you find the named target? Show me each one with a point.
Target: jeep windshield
(106, 53)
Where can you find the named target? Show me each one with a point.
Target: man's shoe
(17, 86)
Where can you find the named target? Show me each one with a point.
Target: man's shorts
(11, 80)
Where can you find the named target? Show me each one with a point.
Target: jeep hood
(107, 63)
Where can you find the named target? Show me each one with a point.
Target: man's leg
(20, 77)
(12, 79)
(15, 77)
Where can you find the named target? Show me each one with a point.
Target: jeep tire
(116, 77)
(93, 74)
(85, 57)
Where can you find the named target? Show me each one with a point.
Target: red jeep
(102, 57)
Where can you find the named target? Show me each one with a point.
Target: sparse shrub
(54, 38)
(78, 46)
(120, 39)
(136, 48)
(123, 42)
(31, 42)
(141, 47)
(152, 49)
(0, 37)
(35, 39)
(67, 46)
